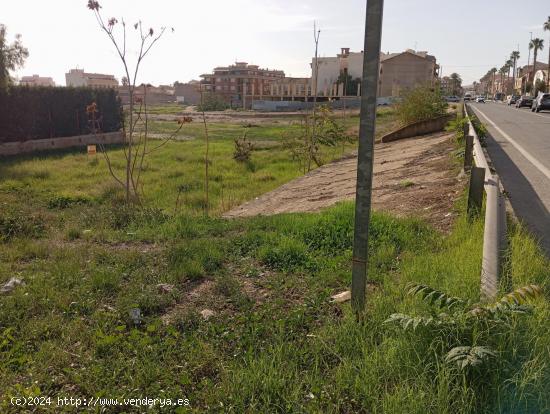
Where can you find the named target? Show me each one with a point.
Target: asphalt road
(519, 147)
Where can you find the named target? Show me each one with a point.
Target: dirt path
(414, 176)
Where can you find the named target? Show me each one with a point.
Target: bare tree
(206, 153)
(316, 34)
(136, 132)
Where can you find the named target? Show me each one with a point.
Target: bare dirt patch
(412, 177)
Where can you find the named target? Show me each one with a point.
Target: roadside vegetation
(274, 343)
(115, 300)
(419, 104)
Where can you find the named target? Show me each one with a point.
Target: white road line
(517, 146)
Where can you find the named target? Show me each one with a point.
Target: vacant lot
(414, 177)
(235, 314)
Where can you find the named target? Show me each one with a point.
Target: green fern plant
(469, 356)
(465, 321)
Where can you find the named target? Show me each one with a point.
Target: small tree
(421, 103)
(329, 133)
(211, 102)
(136, 131)
(12, 56)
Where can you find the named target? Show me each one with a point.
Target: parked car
(541, 102)
(512, 99)
(524, 101)
(452, 98)
(480, 99)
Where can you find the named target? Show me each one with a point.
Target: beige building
(77, 77)
(36, 80)
(406, 70)
(398, 72)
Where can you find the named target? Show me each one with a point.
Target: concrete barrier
(23, 147)
(427, 126)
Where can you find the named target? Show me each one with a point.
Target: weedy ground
(275, 342)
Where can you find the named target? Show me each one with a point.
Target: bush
(243, 149)
(419, 104)
(17, 224)
(286, 255)
(46, 112)
(62, 201)
(212, 102)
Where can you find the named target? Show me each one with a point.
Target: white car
(480, 99)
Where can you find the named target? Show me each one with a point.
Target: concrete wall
(281, 106)
(22, 147)
(419, 128)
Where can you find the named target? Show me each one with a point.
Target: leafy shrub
(212, 102)
(18, 224)
(73, 234)
(63, 201)
(466, 334)
(194, 258)
(481, 130)
(457, 126)
(419, 104)
(286, 254)
(123, 216)
(243, 149)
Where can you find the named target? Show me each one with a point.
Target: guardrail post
(468, 152)
(490, 266)
(475, 192)
(466, 126)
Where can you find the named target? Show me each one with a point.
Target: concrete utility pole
(365, 156)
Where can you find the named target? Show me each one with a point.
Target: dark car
(524, 101)
(541, 102)
(512, 99)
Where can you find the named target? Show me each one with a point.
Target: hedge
(47, 112)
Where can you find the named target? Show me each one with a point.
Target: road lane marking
(517, 146)
(547, 117)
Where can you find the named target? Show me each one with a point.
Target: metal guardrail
(494, 233)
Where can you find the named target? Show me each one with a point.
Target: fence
(494, 233)
(22, 147)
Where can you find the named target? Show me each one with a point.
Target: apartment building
(36, 80)
(240, 82)
(398, 72)
(77, 77)
(525, 75)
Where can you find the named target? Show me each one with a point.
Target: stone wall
(22, 147)
(419, 128)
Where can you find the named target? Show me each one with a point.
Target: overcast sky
(468, 37)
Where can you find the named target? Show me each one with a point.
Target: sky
(468, 37)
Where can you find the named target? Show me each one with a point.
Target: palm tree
(502, 71)
(536, 44)
(457, 82)
(509, 65)
(493, 71)
(514, 57)
(546, 26)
